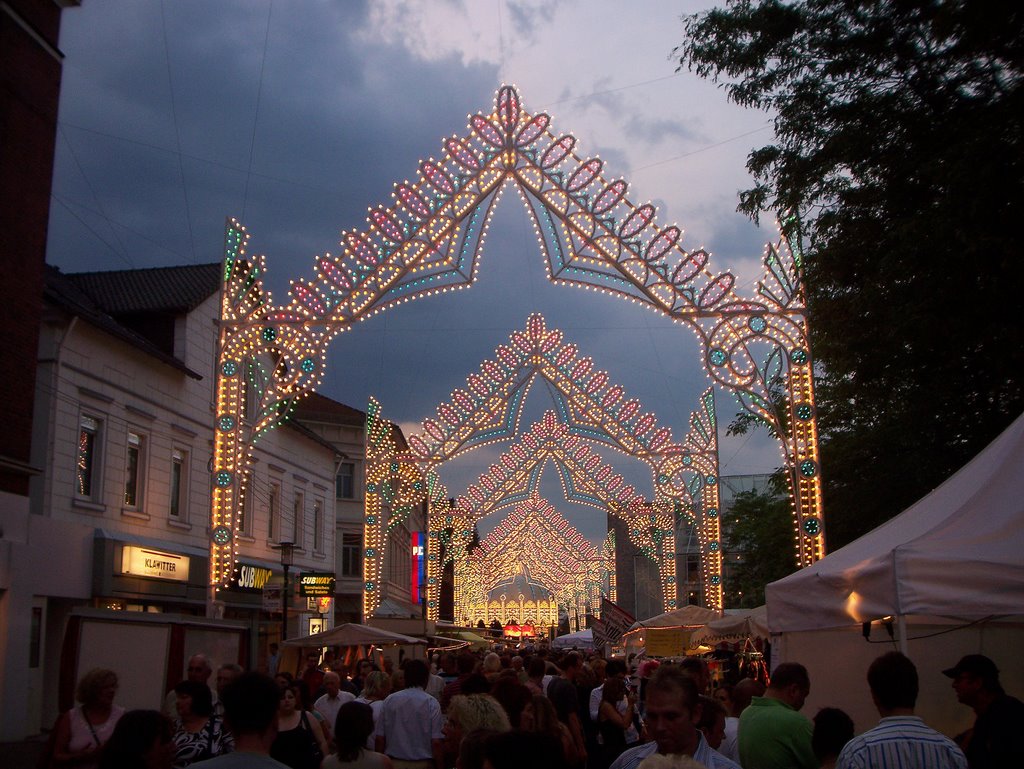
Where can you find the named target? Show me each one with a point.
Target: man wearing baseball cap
(997, 739)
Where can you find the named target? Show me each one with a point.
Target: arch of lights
(535, 536)
(590, 408)
(428, 240)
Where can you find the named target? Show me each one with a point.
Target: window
(352, 554)
(318, 525)
(273, 510)
(135, 460)
(87, 463)
(345, 483)
(297, 515)
(179, 484)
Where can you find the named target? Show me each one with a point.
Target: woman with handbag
(82, 731)
(300, 741)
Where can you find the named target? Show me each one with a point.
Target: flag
(616, 620)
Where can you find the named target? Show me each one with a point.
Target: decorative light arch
(535, 536)
(428, 240)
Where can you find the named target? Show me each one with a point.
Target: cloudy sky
(296, 117)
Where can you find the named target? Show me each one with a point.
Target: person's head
(536, 668)
(332, 684)
(492, 663)
(352, 727)
(975, 678)
(512, 695)
(893, 681)
(142, 739)
(471, 750)
(474, 711)
(615, 668)
(516, 663)
(227, 673)
(312, 660)
(364, 668)
(416, 673)
(571, 664)
(743, 692)
(712, 721)
(291, 699)
(250, 706)
(790, 684)
(673, 710)
(283, 681)
(475, 683)
(832, 730)
(614, 690)
(97, 688)
(723, 695)
(466, 663)
(194, 699)
(376, 685)
(697, 669)
(539, 715)
(198, 669)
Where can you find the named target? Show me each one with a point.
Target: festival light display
(428, 240)
(534, 538)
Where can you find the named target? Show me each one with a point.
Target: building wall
(68, 551)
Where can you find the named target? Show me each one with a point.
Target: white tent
(942, 579)
(581, 639)
(957, 553)
(734, 626)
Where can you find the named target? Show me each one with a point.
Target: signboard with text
(146, 562)
(315, 584)
(249, 578)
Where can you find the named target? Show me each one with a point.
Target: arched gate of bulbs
(589, 408)
(428, 240)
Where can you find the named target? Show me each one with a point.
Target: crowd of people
(471, 711)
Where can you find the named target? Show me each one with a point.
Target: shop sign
(146, 562)
(272, 598)
(250, 578)
(316, 584)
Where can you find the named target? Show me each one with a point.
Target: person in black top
(997, 739)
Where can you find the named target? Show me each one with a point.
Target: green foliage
(759, 529)
(899, 148)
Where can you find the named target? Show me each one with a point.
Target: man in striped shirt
(901, 739)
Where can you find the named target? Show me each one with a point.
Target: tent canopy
(955, 553)
(688, 616)
(581, 639)
(351, 634)
(734, 626)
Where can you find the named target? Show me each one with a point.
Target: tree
(758, 544)
(898, 170)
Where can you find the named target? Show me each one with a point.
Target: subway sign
(315, 584)
(249, 578)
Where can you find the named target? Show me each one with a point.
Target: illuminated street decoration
(536, 539)
(428, 240)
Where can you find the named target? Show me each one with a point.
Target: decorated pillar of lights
(608, 550)
(428, 240)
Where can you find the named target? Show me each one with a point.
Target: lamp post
(287, 550)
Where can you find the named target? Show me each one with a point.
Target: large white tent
(946, 576)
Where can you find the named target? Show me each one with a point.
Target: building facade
(119, 517)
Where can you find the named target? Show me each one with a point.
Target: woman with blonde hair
(82, 731)
(468, 712)
(376, 687)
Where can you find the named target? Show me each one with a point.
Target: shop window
(345, 482)
(179, 484)
(87, 460)
(134, 471)
(352, 554)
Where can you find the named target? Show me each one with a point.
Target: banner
(616, 619)
(600, 631)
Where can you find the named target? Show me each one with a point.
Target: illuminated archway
(428, 241)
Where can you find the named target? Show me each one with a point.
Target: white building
(119, 519)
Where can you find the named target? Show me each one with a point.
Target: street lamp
(287, 550)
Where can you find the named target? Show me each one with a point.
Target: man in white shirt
(198, 670)
(410, 728)
(330, 703)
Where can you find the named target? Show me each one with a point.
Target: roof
(63, 291)
(159, 289)
(954, 553)
(320, 408)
